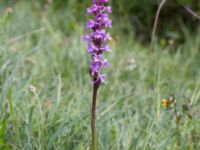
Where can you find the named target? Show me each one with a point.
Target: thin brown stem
(178, 142)
(156, 22)
(93, 111)
(175, 111)
(192, 12)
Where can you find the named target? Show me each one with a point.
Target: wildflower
(165, 103)
(97, 45)
(131, 64)
(97, 40)
(32, 89)
(169, 102)
(9, 10)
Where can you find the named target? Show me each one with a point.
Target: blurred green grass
(45, 50)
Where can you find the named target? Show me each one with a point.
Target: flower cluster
(97, 39)
(169, 103)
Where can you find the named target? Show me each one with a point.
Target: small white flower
(32, 89)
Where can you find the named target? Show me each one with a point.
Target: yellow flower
(163, 42)
(169, 103)
(165, 103)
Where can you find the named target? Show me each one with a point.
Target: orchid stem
(93, 111)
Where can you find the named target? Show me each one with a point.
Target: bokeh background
(45, 87)
(175, 22)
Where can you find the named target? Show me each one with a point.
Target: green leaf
(10, 102)
(2, 128)
(2, 142)
(178, 119)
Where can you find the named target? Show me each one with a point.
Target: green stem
(94, 98)
(177, 129)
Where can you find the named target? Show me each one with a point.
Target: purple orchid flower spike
(97, 45)
(97, 39)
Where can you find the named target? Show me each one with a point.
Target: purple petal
(108, 9)
(87, 37)
(102, 78)
(90, 24)
(105, 63)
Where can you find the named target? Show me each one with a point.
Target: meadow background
(45, 89)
